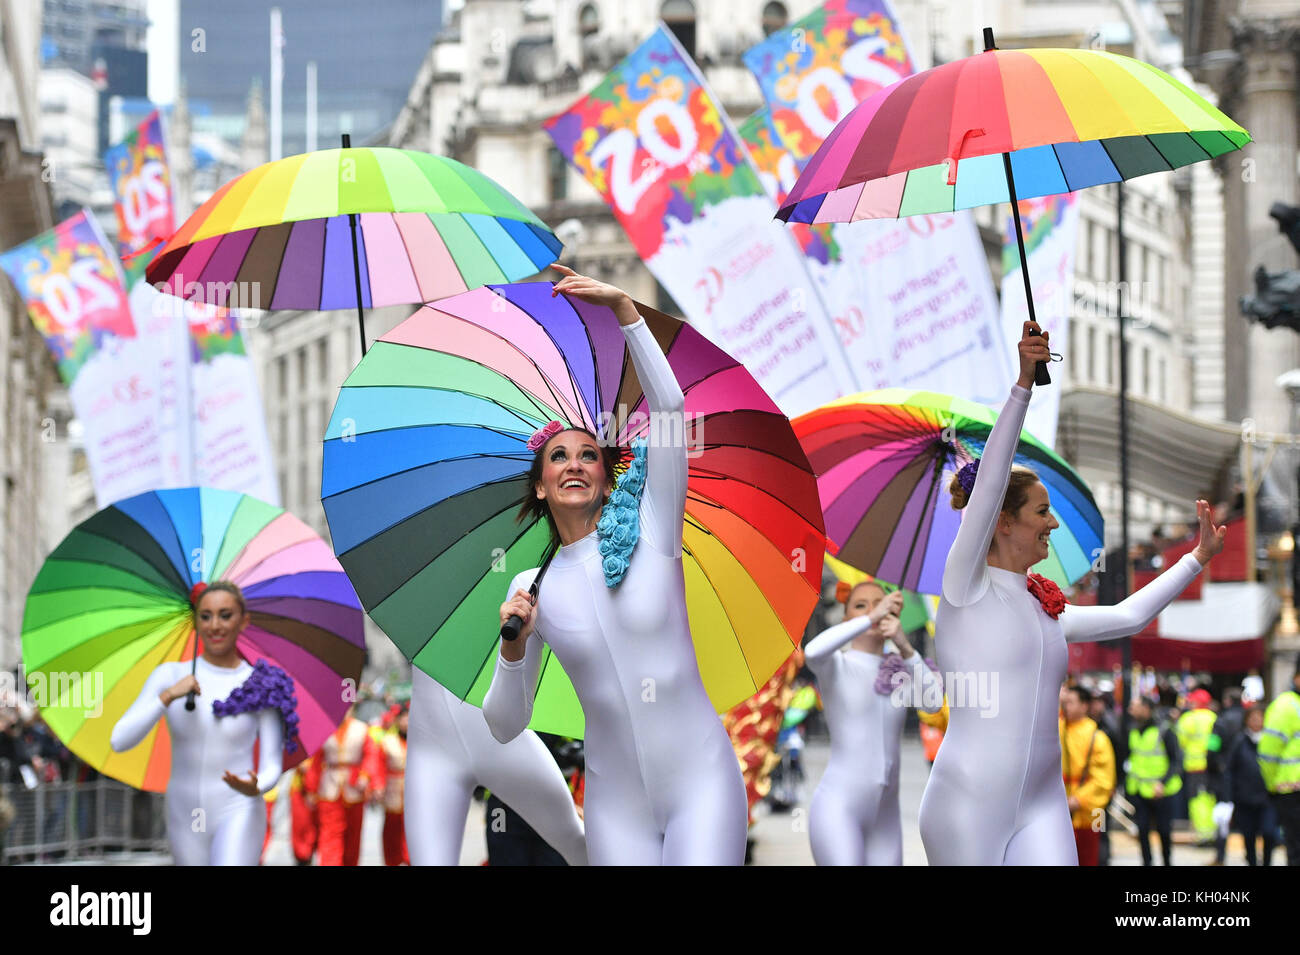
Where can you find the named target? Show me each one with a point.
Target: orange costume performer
(389, 781)
(340, 776)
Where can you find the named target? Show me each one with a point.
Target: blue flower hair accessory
(966, 476)
(620, 523)
(268, 688)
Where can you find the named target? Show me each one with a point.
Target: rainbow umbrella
(915, 616)
(283, 233)
(425, 465)
(884, 460)
(1003, 125)
(113, 600)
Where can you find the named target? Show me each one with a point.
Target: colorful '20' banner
(138, 169)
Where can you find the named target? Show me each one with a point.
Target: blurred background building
(33, 462)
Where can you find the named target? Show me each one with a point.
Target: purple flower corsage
(620, 523)
(966, 476)
(894, 663)
(269, 687)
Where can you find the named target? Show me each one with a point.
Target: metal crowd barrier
(69, 821)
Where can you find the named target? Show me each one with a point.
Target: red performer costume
(339, 774)
(304, 821)
(389, 781)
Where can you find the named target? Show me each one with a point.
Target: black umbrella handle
(1041, 377)
(194, 666)
(510, 629)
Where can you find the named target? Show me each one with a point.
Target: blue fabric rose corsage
(620, 522)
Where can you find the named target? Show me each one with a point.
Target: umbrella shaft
(1041, 377)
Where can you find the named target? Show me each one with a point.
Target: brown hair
(226, 586)
(854, 589)
(530, 506)
(1022, 479)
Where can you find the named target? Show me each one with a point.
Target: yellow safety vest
(1193, 733)
(1279, 746)
(1149, 764)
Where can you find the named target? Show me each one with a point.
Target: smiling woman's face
(220, 621)
(573, 473)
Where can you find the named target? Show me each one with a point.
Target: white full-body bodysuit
(208, 823)
(995, 795)
(854, 817)
(663, 785)
(449, 751)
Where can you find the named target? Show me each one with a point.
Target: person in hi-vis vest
(1194, 728)
(1153, 771)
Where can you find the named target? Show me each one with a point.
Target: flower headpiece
(842, 591)
(196, 593)
(544, 434)
(966, 476)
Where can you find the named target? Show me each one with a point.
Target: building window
(775, 16)
(1112, 358)
(1092, 355)
(679, 16)
(1160, 381)
(558, 174)
(1146, 372)
(588, 29)
(282, 372)
(302, 369)
(323, 359)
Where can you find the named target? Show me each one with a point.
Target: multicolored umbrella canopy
(425, 466)
(113, 599)
(429, 227)
(915, 616)
(1070, 119)
(884, 460)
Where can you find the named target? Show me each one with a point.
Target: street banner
(1051, 229)
(911, 300)
(655, 144)
(121, 391)
(141, 181)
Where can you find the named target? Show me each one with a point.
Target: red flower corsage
(1047, 594)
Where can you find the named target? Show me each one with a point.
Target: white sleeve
(965, 574)
(270, 745)
(663, 503)
(929, 680)
(819, 652)
(144, 713)
(508, 703)
(1091, 624)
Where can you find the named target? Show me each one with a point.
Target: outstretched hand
(1212, 537)
(587, 289)
(246, 786)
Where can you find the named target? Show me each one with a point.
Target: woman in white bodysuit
(663, 785)
(449, 751)
(215, 811)
(995, 796)
(854, 816)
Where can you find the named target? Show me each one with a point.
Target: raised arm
(144, 713)
(819, 652)
(664, 503)
(508, 703)
(965, 574)
(1091, 624)
(270, 746)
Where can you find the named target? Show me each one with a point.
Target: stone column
(1267, 108)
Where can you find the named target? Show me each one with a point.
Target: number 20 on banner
(144, 197)
(626, 183)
